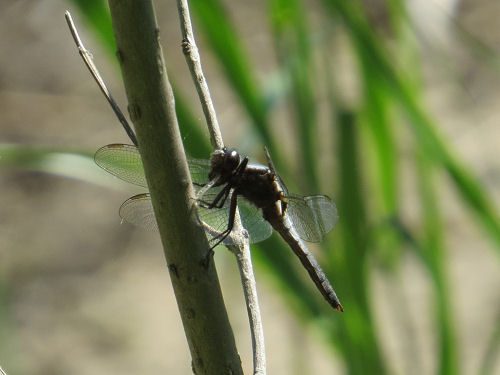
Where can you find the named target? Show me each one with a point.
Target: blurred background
(390, 107)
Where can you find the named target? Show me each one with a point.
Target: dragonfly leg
(219, 200)
(232, 208)
(206, 259)
(222, 199)
(223, 235)
(230, 224)
(222, 196)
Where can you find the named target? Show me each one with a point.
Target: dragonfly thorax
(259, 185)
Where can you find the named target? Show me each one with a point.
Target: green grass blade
(96, 13)
(434, 256)
(293, 45)
(223, 38)
(283, 268)
(63, 162)
(424, 128)
(195, 141)
(384, 163)
(358, 335)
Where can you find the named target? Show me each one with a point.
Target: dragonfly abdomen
(307, 259)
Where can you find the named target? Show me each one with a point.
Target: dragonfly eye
(231, 160)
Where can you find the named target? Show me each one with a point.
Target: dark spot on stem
(205, 261)
(186, 46)
(120, 56)
(134, 111)
(173, 270)
(190, 314)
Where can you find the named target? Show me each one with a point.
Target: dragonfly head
(223, 163)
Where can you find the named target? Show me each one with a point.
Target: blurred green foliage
(365, 136)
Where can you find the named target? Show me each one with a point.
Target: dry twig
(241, 251)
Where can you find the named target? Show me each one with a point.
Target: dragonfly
(226, 183)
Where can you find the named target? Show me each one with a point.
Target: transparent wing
(270, 164)
(253, 221)
(124, 162)
(138, 210)
(251, 217)
(312, 216)
(199, 169)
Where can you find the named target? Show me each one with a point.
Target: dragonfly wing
(138, 210)
(215, 221)
(218, 218)
(199, 169)
(122, 161)
(253, 221)
(312, 216)
(273, 169)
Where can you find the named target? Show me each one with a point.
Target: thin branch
(247, 275)
(194, 63)
(241, 251)
(89, 62)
